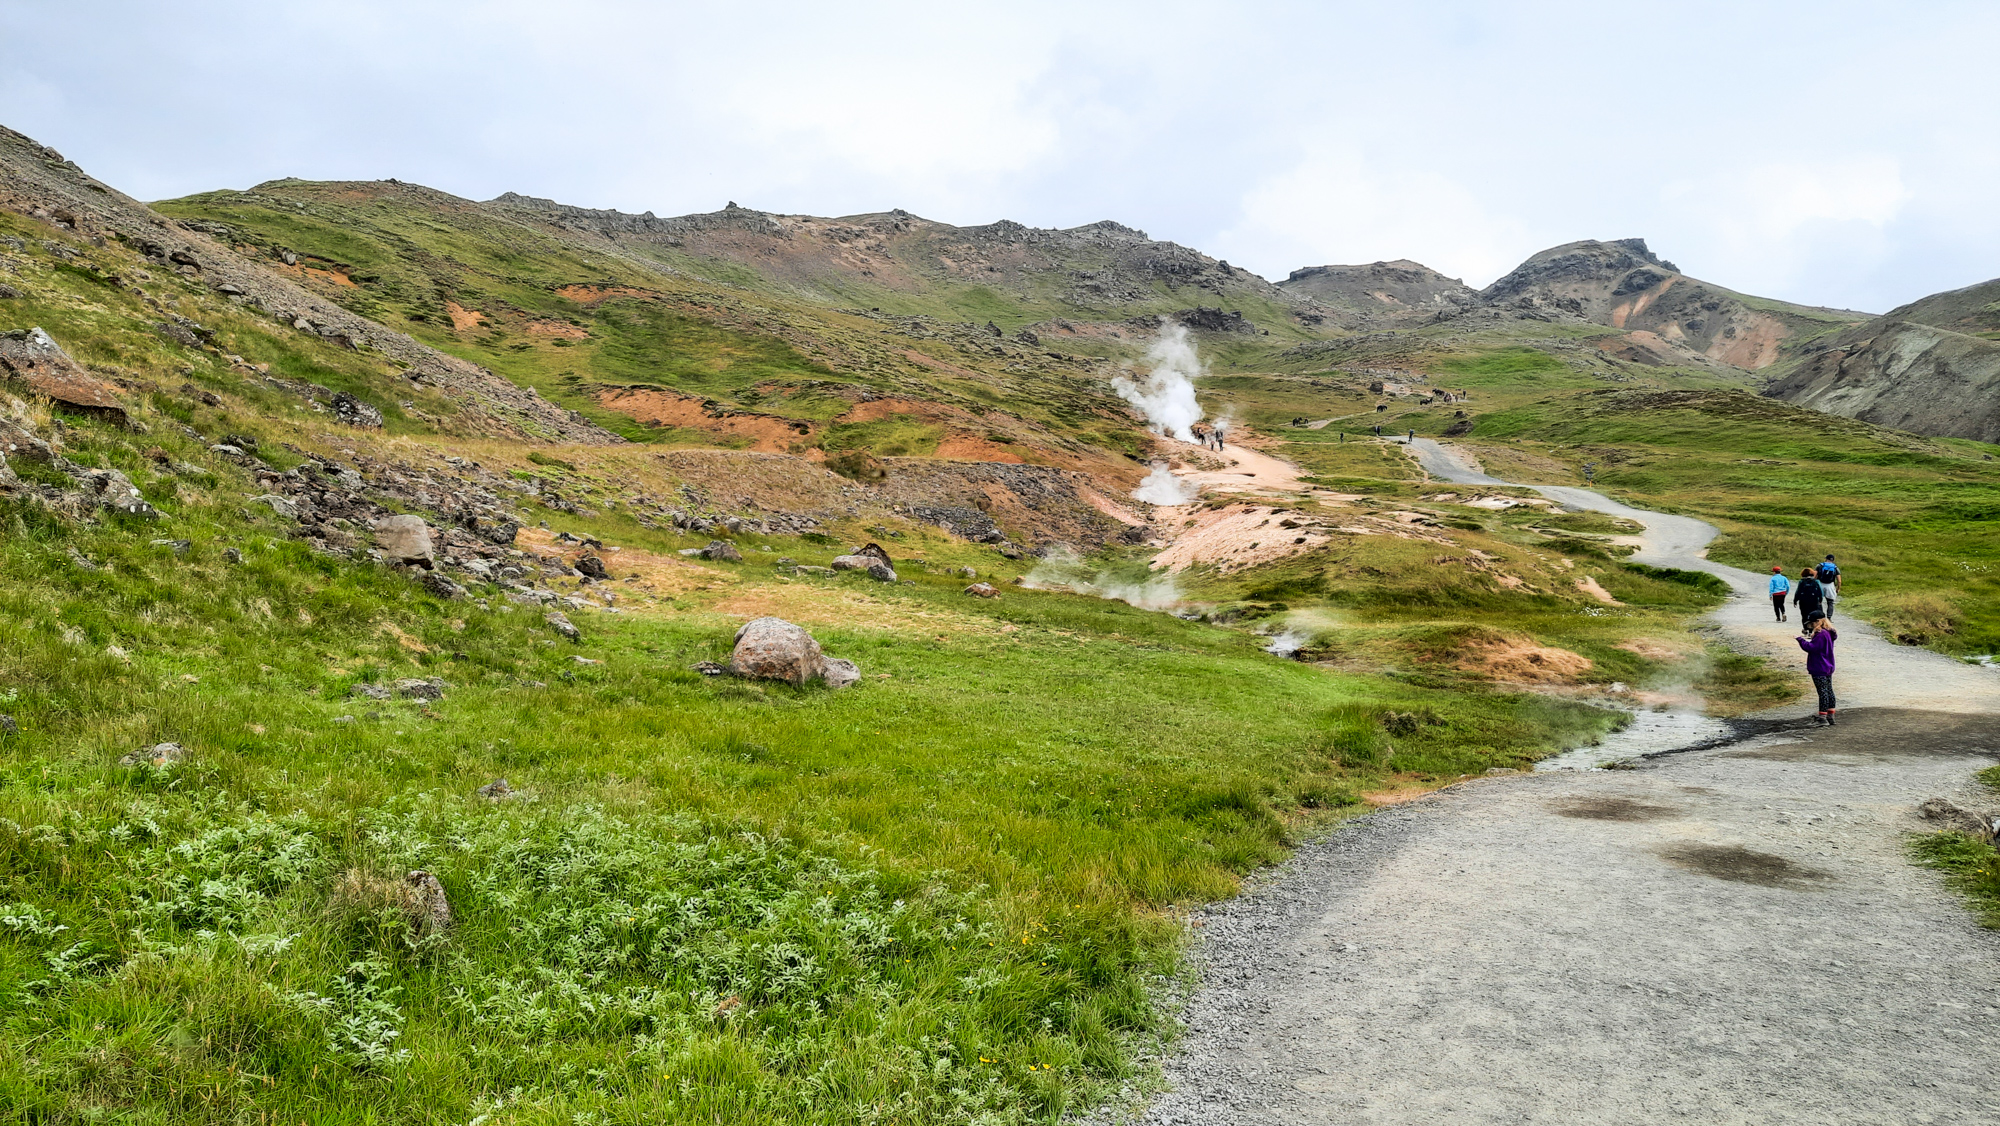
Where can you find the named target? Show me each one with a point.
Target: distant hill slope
(1668, 316)
(1381, 294)
(37, 181)
(903, 263)
(1931, 366)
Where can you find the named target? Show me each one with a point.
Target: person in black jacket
(1807, 595)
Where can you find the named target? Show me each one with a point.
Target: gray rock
(366, 691)
(722, 551)
(231, 555)
(159, 754)
(427, 688)
(841, 673)
(496, 790)
(354, 412)
(8, 726)
(559, 622)
(874, 567)
(439, 585)
(180, 547)
(982, 590)
(590, 566)
(710, 668)
(404, 539)
(282, 505)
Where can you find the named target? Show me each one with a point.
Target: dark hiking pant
(1778, 605)
(1824, 682)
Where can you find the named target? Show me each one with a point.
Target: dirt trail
(1732, 935)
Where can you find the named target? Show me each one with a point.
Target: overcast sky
(1828, 152)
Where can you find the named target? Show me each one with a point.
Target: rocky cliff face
(1917, 368)
(1381, 294)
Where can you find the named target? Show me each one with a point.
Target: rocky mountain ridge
(1932, 366)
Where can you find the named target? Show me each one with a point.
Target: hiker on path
(1780, 587)
(1829, 580)
(1808, 595)
(1413, 436)
(1818, 641)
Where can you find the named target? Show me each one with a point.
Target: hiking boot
(1829, 719)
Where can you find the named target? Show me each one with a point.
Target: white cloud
(1336, 207)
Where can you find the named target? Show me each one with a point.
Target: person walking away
(1780, 587)
(1829, 580)
(1817, 641)
(1808, 597)
(1413, 436)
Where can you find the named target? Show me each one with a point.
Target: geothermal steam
(1065, 570)
(1165, 395)
(1162, 487)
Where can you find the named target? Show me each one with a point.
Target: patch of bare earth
(462, 318)
(1522, 662)
(766, 433)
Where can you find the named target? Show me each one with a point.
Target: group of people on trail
(1815, 592)
(1209, 437)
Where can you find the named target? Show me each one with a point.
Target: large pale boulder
(775, 649)
(404, 539)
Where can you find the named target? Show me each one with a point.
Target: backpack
(1826, 573)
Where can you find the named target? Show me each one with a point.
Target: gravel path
(1731, 935)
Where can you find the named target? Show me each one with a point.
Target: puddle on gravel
(1728, 862)
(1612, 809)
(1649, 733)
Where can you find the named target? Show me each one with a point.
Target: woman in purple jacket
(1818, 641)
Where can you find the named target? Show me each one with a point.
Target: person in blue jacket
(1780, 587)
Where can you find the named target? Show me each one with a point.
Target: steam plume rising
(1162, 487)
(1063, 569)
(1165, 395)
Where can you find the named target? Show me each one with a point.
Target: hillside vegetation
(253, 863)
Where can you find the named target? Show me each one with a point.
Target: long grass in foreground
(937, 897)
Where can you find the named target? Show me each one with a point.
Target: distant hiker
(1378, 430)
(1818, 641)
(1829, 572)
(1808, 596)
(1200, 433)
(1780, 587)
(1413, 436)
(1343, 437)
(1589, 471)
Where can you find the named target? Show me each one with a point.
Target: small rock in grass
(159, 754)
(592, 567)
(583, 660)
(343, 719)
(180, 547)
(366, 691)
(428, 688)
(1949, 816)
(428, 910)
(282, 505)
(559, 622)
(841, 673)
(496, 790)
(231, 555)
(710, 668)
(8, 726)
(879, 571)
(405, 540)
(439, 585)
(982, 590)
(722, 551)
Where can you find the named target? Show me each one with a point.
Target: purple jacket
(1819, 651)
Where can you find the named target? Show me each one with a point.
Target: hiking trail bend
(1732, 935)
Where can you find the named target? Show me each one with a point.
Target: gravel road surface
(1724, 936)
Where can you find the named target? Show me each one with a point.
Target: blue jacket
(1780, 584)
